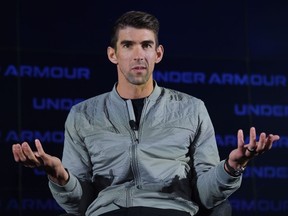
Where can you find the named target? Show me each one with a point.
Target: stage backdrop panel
(232, 55)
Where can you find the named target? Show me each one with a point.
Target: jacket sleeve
(213, 183)
(77, 194)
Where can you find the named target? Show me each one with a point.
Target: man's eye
(147, 45)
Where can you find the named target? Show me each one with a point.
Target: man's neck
(134, 91)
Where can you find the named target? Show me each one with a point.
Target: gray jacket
(171, 161)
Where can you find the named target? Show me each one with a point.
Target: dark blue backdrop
(231, 54)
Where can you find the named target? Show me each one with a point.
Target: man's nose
(138, 53)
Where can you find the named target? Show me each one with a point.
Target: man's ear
(160, 53)
(112, 55)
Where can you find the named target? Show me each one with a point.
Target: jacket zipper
(133, 149)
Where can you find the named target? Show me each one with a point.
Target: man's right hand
(52, 165)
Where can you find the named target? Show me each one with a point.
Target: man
(141, 146)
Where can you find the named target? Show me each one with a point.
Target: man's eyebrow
(142, 42)
(126, 42)
(147, 41)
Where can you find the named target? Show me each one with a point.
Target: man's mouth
(139, 68)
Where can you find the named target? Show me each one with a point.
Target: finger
(240, 138)
(268, 144)
(28, 151)
(31, 157)
(15, 149)
(252, 136)
(21, 153)
(273, 138)
(252, 140)
(250, 148)
(262, 143)
(270, 140)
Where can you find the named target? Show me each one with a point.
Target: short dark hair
(135, 19)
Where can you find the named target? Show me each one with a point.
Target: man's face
(136, 55)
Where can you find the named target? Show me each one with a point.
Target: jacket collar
(153, 96)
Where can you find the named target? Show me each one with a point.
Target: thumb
(40, 151)
(43, 158)
(39, 146)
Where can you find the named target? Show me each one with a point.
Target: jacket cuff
(225, 176)
(68, 187)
